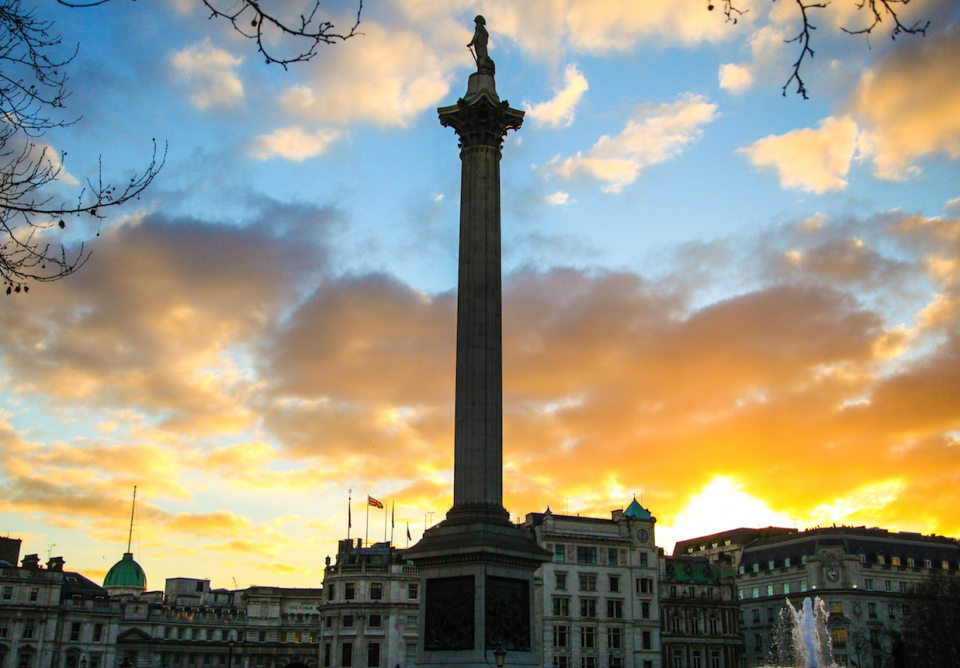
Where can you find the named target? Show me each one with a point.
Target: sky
(740, 306)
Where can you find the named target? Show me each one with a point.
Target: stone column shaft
(478, 440)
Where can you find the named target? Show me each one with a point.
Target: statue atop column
(478, 47)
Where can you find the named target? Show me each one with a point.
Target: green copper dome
(126, 573)
(636, 511)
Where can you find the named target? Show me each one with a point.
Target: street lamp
(499, 655)
(126, 662)
(229, 654)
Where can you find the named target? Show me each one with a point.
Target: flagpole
(366, 532)
(384, 523)
(393, 519)
(349, 514)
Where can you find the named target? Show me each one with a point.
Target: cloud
(557, 198)
(293, 143)
(654, 134)
(907, 106)
(953, 207)
(815, 160)
(388, 79)
(735, 78)
(559, 111)
(768, 61)
(208, 73)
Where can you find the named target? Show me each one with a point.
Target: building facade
(699, 615)
(596, 602)
(371, 608)
(52, 618)
(859, 574)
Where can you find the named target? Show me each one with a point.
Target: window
(7, 593)
(696, 659)
(615, 637)
(376, 621)
(586, 555)
(330, 591)
(561, 636)
(786, 587)
(714, 626)
(73, 660)
(558, 554)
(615, 609)
(561, 580)
(944, 565)
(645, 609)
(803, 585)
(346, 655)
(755, 591)
(710, 592)
(888, 585)
(740, 593)
(326, 655)
(412, 621)
(891, 611)
(647, 640)
(588, 607)
(413, 591)
(742, 569)
(298, 637)
(614, 583)
(347, 621)
(770, 590)
(588, 582)
(34, 595)
(588, 662)
(715, 660)
(872, 610)
(329, 622)
(349, 591)
(881, 560)
(839, 637)
(376, 591)
(643, 559)
(786, 562)
(868, 584)
(644, 586)
(28, 629)
(770, 565)
(94, 661)
(911, 563)
(836, 607)
(24, 661)
(677, 659)
(756, 616)
(803, 559)
(561, 606)
(757, 642)
(3, 629)
(927, 563)
(588, 637)
(895, 561)
(695, 626)
(612, 556)
(903, 587)
(561, 661)
(75, 632)
(676, 624)
(373, 655)
(262, 636)
(616, 661)
(756, 567)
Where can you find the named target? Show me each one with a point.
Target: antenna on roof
(132, 509)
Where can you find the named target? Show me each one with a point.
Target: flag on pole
(408, 531)
(393, 510)
(373, 502)
(349, 517)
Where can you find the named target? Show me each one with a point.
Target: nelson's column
(476, 567)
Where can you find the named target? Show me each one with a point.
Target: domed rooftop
(636, 511)
(126, 573)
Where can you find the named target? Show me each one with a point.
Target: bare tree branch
(32, 94)
(251, 20)
(918, 28)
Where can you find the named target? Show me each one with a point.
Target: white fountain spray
(810, 637)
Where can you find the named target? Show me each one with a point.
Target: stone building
(699, 615)
(52, 618)
(371, 608)
(188, 625)
(858, 573)
(597, 600)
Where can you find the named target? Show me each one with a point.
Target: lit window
(927, 563)
(558, 553)
(770, 590)
(836, 607)
(786, 562)
(944, 565)
(786, 587)
(755, 591)
(803, 585)
(881, 560)
(839, 637)
(895, 561)
(756, 567)
(911, 563)
(770, 565)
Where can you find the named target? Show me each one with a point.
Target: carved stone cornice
(481, 120)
